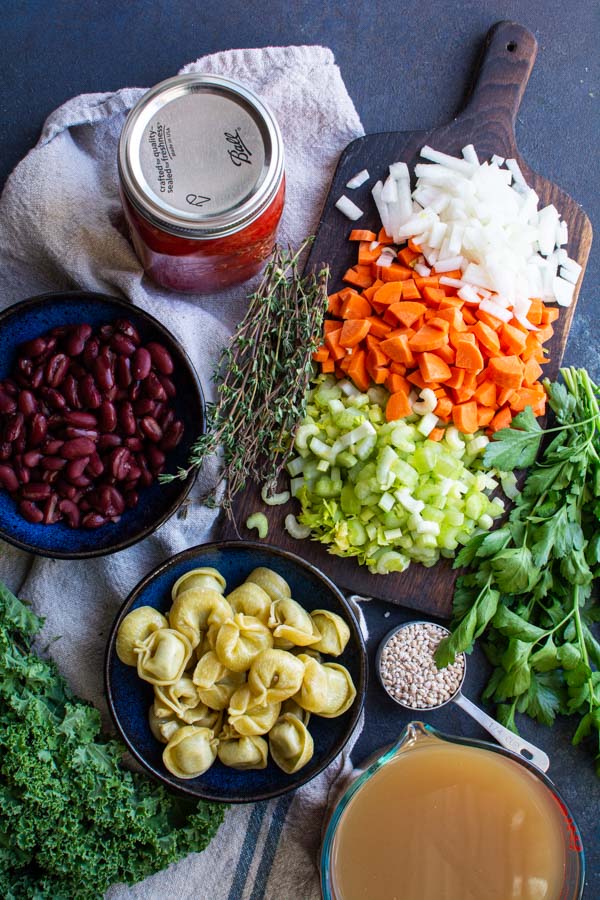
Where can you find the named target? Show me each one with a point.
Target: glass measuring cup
(506, 738)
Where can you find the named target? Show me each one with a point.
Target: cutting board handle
(505, 65)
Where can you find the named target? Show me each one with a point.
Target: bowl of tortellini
(235, 671)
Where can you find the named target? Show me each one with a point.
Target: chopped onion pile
(357, 180)
(481, 219)
(382, 492)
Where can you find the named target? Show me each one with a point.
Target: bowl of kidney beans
(97, 399)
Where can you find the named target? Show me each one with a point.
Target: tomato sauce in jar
(202, 182)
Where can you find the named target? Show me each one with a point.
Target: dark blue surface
(28, 320)
(130, 698)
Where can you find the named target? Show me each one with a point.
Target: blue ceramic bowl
(157, 503)
(129, 698)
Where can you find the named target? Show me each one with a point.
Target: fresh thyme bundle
(72, 820)
(528, 586)
(263, 376)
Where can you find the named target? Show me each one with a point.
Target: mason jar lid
(200, 156)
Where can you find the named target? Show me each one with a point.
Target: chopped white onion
(422, 270)
(513, 166)
(563, 291)
(373, 245)
(348, 208)
(449, 264)
(495, 310)
(357, 180)
(497, 160)
(451, 282)
(385, 260)
(470, 155)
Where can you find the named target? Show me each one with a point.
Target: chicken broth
(453, 822)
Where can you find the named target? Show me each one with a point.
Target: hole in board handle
(527, 754)
(511, 47)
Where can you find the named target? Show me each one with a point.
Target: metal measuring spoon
(504, 737)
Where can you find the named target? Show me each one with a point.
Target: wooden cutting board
(488, 122)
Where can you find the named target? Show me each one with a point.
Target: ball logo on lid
(239, 153)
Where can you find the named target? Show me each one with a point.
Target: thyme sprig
(262, 377)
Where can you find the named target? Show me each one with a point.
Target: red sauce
(201, 265)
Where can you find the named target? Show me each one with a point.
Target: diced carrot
(486, 393)
(448, 302)
(396, 273)
(410, 291)
(454, 273)
(330, 325)
(398, 349)
(549, 314)
(334, 304)
(366, 256)
(383, 237)
(372, 342)
(332, 340)
(395, 382)
(504, 396)
(485, 414)
(525, 397)
(389, 293)
(344, 363)
(361, 234)
(354, 331)
(487, 337)
(468, 355)
(436, 434)
(512, 339)
(453, 316)
(440, 392)
(357, 278)
(398, 406)
(535, 310)
(376, 357)
(379, 328)
(321, 354)
(414, 246)
(378, 375)
(417, 379)
(433, 295)
(464, 416)
(429, 337)
(531, 372)
(433, 368)
(455, 336)
(506, 371)
(423, 281)
(447, 353)
(502, 419)
(407, 256)
(355, 307)
(468, 316)
(443, 409)
(397, 368)
(487, 319)
(327, 366)
(458, 376)
(545, 333)
(370, 291)
(463, 393)
(357, 371)
(407, 312)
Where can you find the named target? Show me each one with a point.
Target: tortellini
(199, 578)
(163, 656)
(134, 629)
(195, 609)
(290, 743)
(251, 600)
(248, 716)
(240, 641)
(334, 633)
(327, 688)
(236, 676)
(242, 751)
(275, 675)
(191, 751)
(290, 622)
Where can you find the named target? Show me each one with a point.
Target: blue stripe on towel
(247, 851)
(275, 829)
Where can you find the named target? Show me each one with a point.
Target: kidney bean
(82, 481)
(78, 447)
(135, 390)
(161, 358)
(108, 501)
(109, 442)
(21, 471)
(146, 477)
(54, 399)
(141, 364)
(80, 419)
(168, 386)
(89, 393)
(37, 377)
(173, 436)
(131, 499)
(95, 467)
(50, 476)
(126, 418)
(84, 505)
(76, 339)
(93, 520)
(8, 479)
(11, 387)
(103, 373)
(56, 369)
(51, 513)
(107, 416)
(90, 434)
(76, 467)
(33, 347)
(14, 426)
(36, 490)
(120, 463)
(25, 366)
(166, 418)
(134, 443)
(6, 451)
(122, 344)
(155, 458)
(154, 389)
(53, 463)
(112, 393)
(38, 429)
(51, 446)
(70, 391)
(70, 512)
(90, 351)
(143, 406)
(123, 371)
(27, 403)
(69, 491)
(7, 403)
(129, 330)
(151, 429)
(30, 512)
(32, 458)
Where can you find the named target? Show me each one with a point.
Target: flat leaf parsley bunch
(529, 584)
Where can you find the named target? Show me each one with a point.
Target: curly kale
(72, 820)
